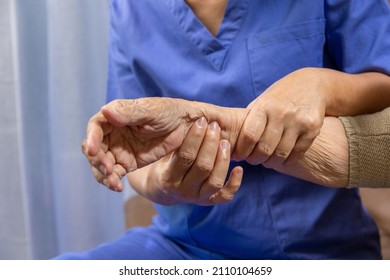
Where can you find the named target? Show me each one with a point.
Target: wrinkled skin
(129, 134)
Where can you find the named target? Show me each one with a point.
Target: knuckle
(204, 166)
(249, 137)
(261, 154)
(281, 155)
(264, 150)
(186, 158)
(309, 123)
(227, 196)
(281, 113)
(313, 124)
(197, 132)
(216, 183)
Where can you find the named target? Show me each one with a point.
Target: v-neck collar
(214, 47)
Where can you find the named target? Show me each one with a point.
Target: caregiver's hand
(283, 121)
(128, 134)
(195, 173)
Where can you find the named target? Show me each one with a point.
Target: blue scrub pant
(139, 244)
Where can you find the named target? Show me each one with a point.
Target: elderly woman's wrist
(229, 119)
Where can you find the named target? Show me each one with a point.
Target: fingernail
(202, 122)
(225, 146)
(214, 126)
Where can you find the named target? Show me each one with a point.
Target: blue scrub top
(160, 48)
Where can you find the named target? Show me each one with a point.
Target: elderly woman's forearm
(327, 160)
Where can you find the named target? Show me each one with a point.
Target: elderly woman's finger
(230, 189)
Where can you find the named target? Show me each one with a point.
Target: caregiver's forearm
(354, 94)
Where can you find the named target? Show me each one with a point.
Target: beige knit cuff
(354, 164)
(369, 149)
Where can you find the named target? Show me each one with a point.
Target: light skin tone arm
(127, 135)
(284, 121)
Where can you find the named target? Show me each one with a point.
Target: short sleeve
(358, 35)
(121, 83)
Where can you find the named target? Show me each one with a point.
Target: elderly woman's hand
(196, 173)
(126, 135)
